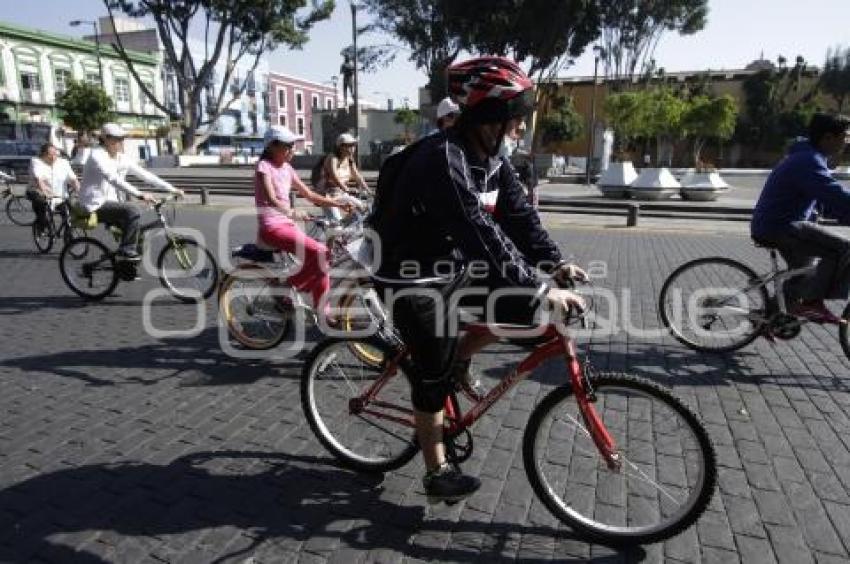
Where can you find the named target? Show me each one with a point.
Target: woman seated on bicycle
(50, 177)
(338, 170)
(103, 175)
(273, 180)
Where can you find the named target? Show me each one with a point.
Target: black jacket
(438, 210)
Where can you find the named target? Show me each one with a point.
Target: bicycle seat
(252, 252)
(762, 244)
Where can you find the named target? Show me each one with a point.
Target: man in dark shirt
(784, 218)
(453, 197)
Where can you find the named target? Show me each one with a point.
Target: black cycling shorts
(432, 349)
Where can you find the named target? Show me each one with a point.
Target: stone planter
(616, 179)
(703, 186)
(654, 184)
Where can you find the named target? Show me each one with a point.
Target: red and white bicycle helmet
(486, 78)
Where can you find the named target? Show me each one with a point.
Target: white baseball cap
(281, 134)
(113, 130)
(346, 139)
(446, 107)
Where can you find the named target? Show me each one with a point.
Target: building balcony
(32, 96)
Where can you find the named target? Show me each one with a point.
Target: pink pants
(312, 276)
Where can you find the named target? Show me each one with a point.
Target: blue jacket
(799, 184)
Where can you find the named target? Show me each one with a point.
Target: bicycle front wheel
(666, 472)
(357, 306)
(714, 305)
(187, 270)
(360, 414)
(43, 238)
(20, 212)
(253, 305)
(88, 268)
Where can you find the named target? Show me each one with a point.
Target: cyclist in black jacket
(454, 199)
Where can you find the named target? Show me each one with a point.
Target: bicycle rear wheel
(667, 465)
(713, 304)
(88, 268)
(20, 212)
(364, 433)
(253, 306)
(187, 270)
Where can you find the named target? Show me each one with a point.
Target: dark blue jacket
(799, 184)
(439, 209)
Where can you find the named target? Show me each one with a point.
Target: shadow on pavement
(252, 497)
(200, 356)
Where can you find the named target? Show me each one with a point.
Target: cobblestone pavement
(118, 447)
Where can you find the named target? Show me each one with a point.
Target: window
(122, 90)
(93, 78)
(329, 103)
(299, 102)
(281, 98)
(299, 122)
(315, 101)
(281, 119)
(146, 102)
(61, 77)
(30, 81)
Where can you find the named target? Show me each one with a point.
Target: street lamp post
(93, 23)
(354, 6)
(598, 52)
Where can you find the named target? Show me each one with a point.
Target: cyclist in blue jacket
(784, 217)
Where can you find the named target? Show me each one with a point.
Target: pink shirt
(281, 178)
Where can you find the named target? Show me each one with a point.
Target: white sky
(737, 32)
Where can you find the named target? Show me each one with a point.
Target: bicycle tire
(349, 322)
(68, 253)
(678, 333)
(174, 247)
(44, 239)
(20, 212)
(69, 233)
(843, 333)
(586, 470)
(276, 332)
(356, 428)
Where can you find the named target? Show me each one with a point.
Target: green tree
(423, 29)
(709, 117)
(835, 79)
(561, 123)
(778, 104)
(234, 30)
(624, 112)
(661, 118)
(408, 118)
(632, 29)
(85, 107)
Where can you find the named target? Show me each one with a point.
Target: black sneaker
(467, 380)
(128, 256)
(447, 484)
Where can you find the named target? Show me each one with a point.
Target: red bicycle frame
(556, 344)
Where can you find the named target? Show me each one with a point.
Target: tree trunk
(699, 143)
(437, 84)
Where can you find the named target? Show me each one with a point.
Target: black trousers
(429, 335)
(807, 243)
(126, 216)
(40, 206)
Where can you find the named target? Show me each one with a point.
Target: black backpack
(386, 190)
(316, 171)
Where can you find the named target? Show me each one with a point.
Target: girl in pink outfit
(273, 180)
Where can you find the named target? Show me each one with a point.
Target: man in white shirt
(50, 177)
(104, 175)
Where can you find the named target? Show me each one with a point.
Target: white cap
(346, 139)
(446, 107)
(282, 134)
(113, 130)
